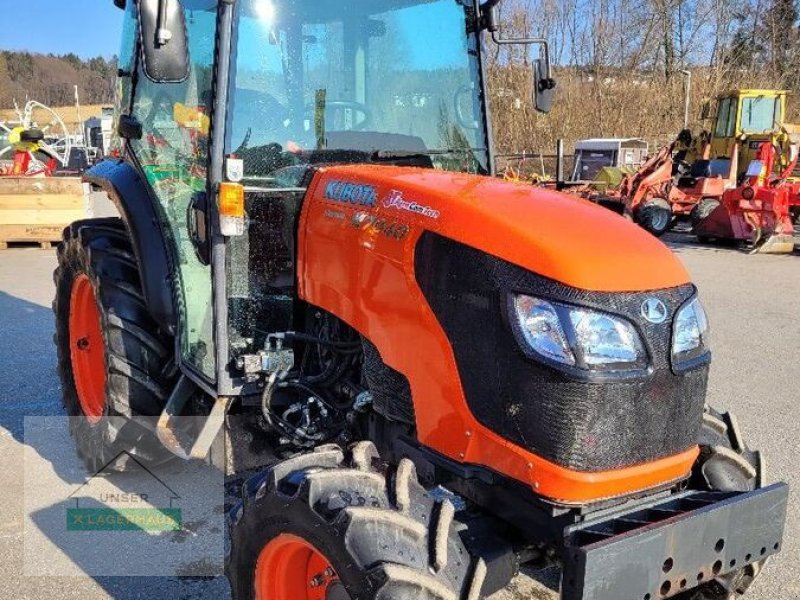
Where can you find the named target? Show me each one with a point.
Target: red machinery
(758, 211)
(661, 190)
(30, 159)
(28, 150)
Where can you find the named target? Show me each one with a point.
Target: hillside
(52, 79)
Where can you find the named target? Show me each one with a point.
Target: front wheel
(655, 216)
(113, 361)
(726, 464)
(326, 526)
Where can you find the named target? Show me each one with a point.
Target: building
(99, 130)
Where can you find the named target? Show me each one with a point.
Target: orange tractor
(760, 211)
(460, 374)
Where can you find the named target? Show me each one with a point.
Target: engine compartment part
(555, 410)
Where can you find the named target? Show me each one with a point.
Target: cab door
(173, 155)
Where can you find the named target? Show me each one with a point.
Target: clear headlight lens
(690, 334)
(542, 329)
(603, 339)
(578, 337)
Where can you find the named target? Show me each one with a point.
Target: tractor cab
(235, 105)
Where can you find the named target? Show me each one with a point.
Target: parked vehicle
(463, 374)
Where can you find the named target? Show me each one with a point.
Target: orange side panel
(356, 260)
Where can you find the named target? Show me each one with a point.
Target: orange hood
(555, 235)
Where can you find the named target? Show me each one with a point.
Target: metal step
(189, 442)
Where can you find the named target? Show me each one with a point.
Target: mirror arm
(528, 42)
(163, 34)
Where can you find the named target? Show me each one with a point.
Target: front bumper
(664, 548)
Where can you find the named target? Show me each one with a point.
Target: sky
(87, 28)
(92, 28)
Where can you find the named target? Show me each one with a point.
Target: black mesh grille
(390, 390)
(582, 425)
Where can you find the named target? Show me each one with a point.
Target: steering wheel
(344, 105)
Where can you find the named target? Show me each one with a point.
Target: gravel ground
(752, 300)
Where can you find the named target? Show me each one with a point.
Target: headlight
(578, 337)
(541, 328)
(690, 334)
(605, 340)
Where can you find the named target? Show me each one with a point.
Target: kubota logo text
(351, 193)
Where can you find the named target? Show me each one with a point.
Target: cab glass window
(341, 81)
(760, 115)
(173, 154)
(725, 118)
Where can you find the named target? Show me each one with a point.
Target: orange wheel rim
(290, 568)
(87, 349)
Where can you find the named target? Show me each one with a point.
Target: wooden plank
(40, 217)
(41, 202)
(30, 233)
(40, 185)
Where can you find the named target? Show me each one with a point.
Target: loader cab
(747, 118)
(227, 109)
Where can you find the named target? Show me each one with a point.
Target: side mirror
(544, 86)
(165, 54)
(129, 128)
(705, 112)
(120, 4)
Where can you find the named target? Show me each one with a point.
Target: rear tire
(655, 216)
(131, 354)
(701, 211)
(382, 535)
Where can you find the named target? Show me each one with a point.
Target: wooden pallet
(36, 210)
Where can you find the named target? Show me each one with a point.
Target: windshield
(760, 115)
(355, 81)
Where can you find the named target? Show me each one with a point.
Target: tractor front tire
(329, 525)
(655, 216)
(726, 464)
(114, 363)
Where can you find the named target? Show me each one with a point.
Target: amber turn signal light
(231, 200)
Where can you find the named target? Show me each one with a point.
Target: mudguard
(132, 198)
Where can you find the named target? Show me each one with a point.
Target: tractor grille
(587, 426)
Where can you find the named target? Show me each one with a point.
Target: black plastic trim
(131, 196)
(585, 422)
